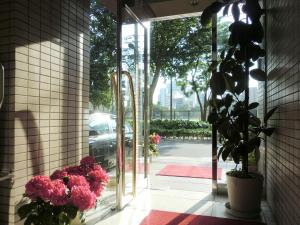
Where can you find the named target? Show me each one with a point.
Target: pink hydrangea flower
(82, 198)
(39, 187)
(76, 181)
(96, 188)
(88, 161)
(155, 138)
(99, 175)
(97, 179)
(58, 174)
(59, 195)
(74, 170)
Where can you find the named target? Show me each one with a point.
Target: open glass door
(133, 94)
(119, 132)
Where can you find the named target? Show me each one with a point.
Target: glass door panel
(102, 118)
(134, 87)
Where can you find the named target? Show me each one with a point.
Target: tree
(103, 37)
(167, 43)
(198, 64)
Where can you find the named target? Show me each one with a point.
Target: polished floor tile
(198, 203)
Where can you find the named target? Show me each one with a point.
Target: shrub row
(178, 124)
(180, 128)
(195, 133)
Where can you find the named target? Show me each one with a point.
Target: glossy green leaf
(225, 10)
(226, 152)
(228, 100)
(212, 117)
(230, 53)
(258, 74)
(253, 105)
(229, 82)
(253, 144)
(209, 11)
(269, 114)
(257, 33)
(268, 131)
(253, 10)
(254, 121)
(217, 84)
(235, 11)
(236, 154)
(220, 152)
(222, 55)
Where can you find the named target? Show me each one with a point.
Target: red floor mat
(140, 168)
(156, 217)
(188, 171)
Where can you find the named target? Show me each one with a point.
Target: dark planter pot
(244, 195)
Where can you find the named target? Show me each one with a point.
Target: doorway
(119, 134)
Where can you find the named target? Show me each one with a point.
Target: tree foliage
(198, 64)
(103, 37)
(167, 53)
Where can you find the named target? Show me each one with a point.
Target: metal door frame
(120, 161)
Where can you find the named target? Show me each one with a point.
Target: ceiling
(162, 9)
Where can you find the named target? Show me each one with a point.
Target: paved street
(194, 153)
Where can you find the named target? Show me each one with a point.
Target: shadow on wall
(35, 146)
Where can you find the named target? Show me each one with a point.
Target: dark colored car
(103, 138)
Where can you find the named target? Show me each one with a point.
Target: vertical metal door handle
(134, 128)
(114, 85)
(133, 108)
(2, 86)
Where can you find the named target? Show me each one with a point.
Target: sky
(161, 81)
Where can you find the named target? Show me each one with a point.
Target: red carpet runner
(156, 217)
(189, 171)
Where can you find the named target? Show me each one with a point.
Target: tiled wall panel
(283, 90)
(44, 45)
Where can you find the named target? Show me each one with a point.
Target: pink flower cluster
(154, 139)
(76, 185)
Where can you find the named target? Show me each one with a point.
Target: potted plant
(232, 115)
(154, 140)
(62, 198)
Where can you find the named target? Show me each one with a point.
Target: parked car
(103, 138)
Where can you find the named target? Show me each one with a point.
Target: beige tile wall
(44, 46)
(283, 90)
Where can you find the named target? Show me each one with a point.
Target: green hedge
(180, 128)
(179, 124)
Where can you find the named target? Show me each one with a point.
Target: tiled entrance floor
(199, 203)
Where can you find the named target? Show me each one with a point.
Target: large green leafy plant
(240, 130)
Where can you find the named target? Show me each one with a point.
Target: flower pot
(244, 195)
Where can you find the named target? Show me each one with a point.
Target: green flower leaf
(25, 210)
(71, 211)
